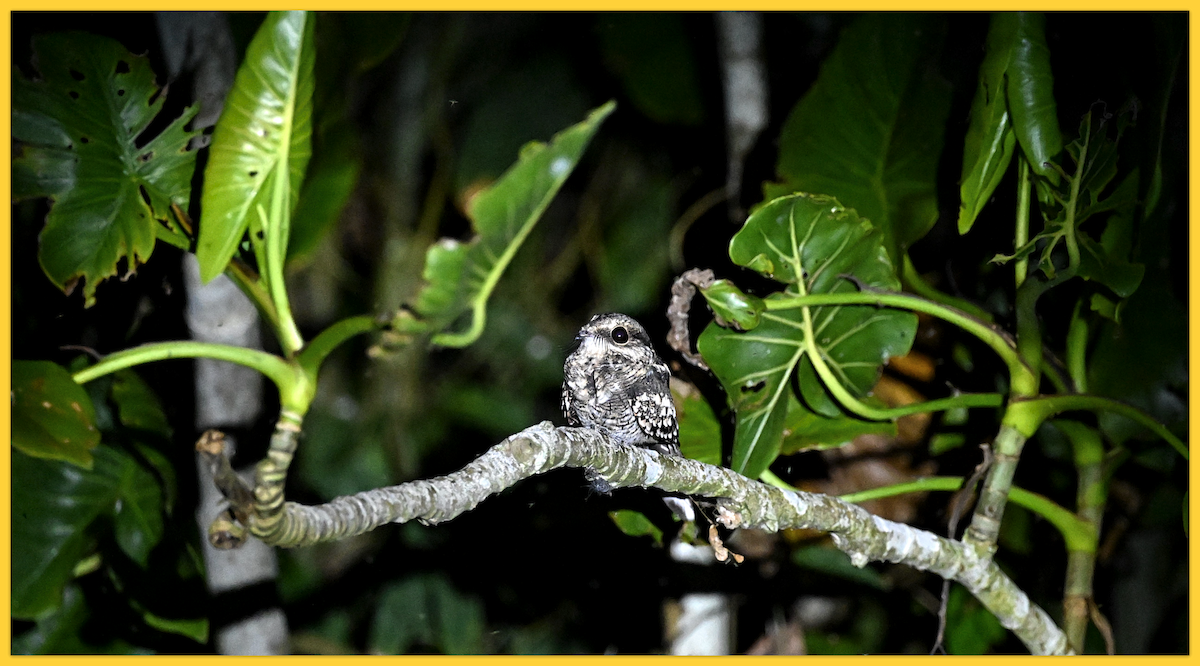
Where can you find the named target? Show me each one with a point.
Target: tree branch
(742, 502)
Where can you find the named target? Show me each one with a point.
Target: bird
(614, 382)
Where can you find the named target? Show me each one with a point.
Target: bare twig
(682, 292)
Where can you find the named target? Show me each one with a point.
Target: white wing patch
(655, 413)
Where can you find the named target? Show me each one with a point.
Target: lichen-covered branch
(741, 502)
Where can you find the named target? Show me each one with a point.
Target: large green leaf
(1014, 101)
(54, 502)
(869, 131)
(52, 416)
(990, 140)
(1030, 88)
(808, 242)
(699, 430)
(425, 610)
(805, 430)
(81, 140)
(461, 276)
(264, 134)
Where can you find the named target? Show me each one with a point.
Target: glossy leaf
(744, 311)
(81, 133)
(265, 133)
(1030, 87)
(635, 524)
(869, 132)
(805, 430)
(699, 430)
(52, 416)
(138, 512)
(755, 368)
(807, 242)
(52, 505)
(461, 276)
(990, 140)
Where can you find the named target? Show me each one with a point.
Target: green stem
(910, 276)
(989, 334)
(314, 354)
(1021, 237)
(295, 390)
(768, 477)
(1091, 495)
(244, 277)
(1076, 533)
(1077, 340)
(1047, 406)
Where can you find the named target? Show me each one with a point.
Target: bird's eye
(620, 335)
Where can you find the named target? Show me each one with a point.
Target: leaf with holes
(808, 242)
(264, 135)
(460, 276)
(81, 139)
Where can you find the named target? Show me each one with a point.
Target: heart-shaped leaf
(809, 242)
(82, 139)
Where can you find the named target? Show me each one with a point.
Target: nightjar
(615, 383)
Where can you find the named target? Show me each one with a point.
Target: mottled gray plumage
(615, 383)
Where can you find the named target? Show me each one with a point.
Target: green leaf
(1030, 88)
(970, 628)
(425, 610)
(990, 139)
(52, 505)
(635, 523)
(869, 132)
(81, 133)
(195, 629)
(138, 519)
(755, 369)
(651, 55)
(331, 179)
(58, 632)
(52, 416)
(634, 268)
(137, 405)
(733, 305)
(699, 430)
(461, 276)
(833, 562)
(808, 242)
(264, 134)
(805, 430)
